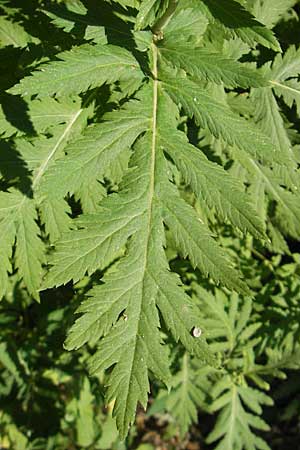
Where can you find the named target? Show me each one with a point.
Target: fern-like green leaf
(90, 156)
(141, 133)
(186, 23)
(269, 12)
(18, 214)
(212, 184)
(238, 22)
(218, 117)
(18, 219)
(42, 115)
(139, 282)
(208, 66)
(78, 70)
(193, 239)
(234, 427)
(284, 77)
(11, 33)
(188, 393)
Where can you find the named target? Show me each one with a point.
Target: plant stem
(164, 20)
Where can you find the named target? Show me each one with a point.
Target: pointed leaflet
(194, 239)
(125, 3)
(8, 234)
(55, 214)
(29, 249)
(287, 201)
(18, 220)
(284, 77)
(269, 119)
(238, 22)
(212, 183)
(289, 91)
(221, 121)
(90, 196)
(11, 33)
(90, 156)
(41, 154)
(287, 65)
(208, 66)
(40, 115)
(185, 23)
(100, 236)
(78, 70)
(134, 343)
(269, 12)
(18, 215)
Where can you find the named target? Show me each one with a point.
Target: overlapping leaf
(218, 117)
(238, 22)
(18, 215)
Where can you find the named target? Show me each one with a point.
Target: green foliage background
(184, 118)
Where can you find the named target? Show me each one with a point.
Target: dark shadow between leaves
(9, 59)
(15, 110)
(30, 16)
(14, 169)
(102, 14)
(225, 11)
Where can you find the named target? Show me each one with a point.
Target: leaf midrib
(284, 86)
(149, 212)
(46, 161)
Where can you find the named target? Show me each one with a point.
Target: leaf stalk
(158, 27)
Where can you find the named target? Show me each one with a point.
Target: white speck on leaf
(197, 332)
